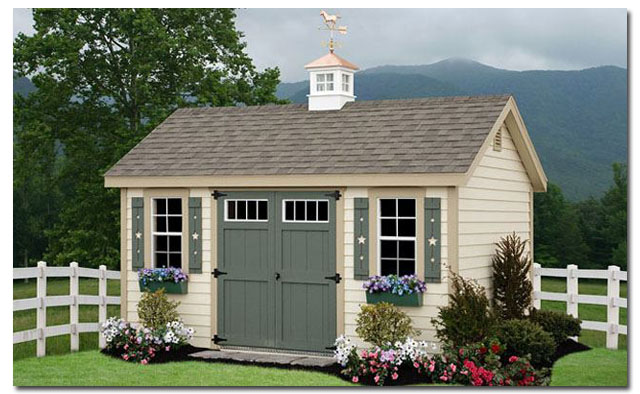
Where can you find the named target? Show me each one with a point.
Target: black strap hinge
(216, 339)
(337, 278)
(334, 347)
(336, 194)
(216, 272)
(216, 194)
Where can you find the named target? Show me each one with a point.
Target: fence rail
(73, 301)
(612, 300)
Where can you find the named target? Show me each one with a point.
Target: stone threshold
(253, 357)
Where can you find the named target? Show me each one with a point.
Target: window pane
(388, 227)
(388, 249)
(406, 249)
(407, 207)
(161, 224)
(300, 210)
(388, 208)
(175, 260)
(323, 211)
(161, 205)
(161, 243)
(406, 267)
(231, 210)
(311, 210)
(329, 86)
(320, 78)
(252, 210)
(175, 243)
(329, 77)
(161, 260)
(242, 210)
(406, 227)
(175, 206)
(320, 87)
(288, 210)
(175, 224)
(388, 267)
(262, 210)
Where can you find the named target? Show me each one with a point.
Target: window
(305, 211)
(397, 236)
(167, 232)
(345, 82)
(324, 82)
(246, 210)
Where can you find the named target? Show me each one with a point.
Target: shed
(278, 213)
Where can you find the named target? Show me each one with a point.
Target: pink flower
(444, 378)
(144, 361)
(394, 376)
(415, 364)
(432, 366)
(453, 367)
(354, 379)
(513, 359)
(167, 348)
(125, 356)
(126, 346)
(376, 378)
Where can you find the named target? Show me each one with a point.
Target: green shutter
(432, 235)
(195, 235)
(361, 229)
(137, 235)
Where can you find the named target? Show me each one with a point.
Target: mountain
(22, 85)
(576, 119)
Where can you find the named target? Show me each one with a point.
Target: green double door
(276, 270)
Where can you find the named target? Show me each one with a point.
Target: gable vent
(497, 141)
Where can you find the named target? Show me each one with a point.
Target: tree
(615, 202)
(511, 285)
(113, 75)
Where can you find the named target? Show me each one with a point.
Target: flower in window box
(403, 290)
(173, 280)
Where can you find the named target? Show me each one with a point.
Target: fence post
(102, 308)
(41, 315)
(572, 291)
(74, 307)
(613, 309)
(537, 285)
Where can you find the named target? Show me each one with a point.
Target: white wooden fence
(612, 300)
(73, 300)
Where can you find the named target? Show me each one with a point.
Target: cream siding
(495, 201)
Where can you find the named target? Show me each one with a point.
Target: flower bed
(173, 280)
(405, 290)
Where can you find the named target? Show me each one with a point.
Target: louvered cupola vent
(497, 141)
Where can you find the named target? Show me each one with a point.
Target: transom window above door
(305, 211)
(397, 236)
(167, 232)
(246, 210)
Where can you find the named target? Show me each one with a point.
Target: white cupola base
(331, 81)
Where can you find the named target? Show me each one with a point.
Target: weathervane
(330, 25)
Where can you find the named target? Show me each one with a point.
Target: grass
(91, 368)
(595, 339)
(597, 367)
(25, 320)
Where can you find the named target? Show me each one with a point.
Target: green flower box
(414, 299)
(169, 287)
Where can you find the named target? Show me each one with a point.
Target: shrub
(383, 323)
(511, 284)
(523, 338)
(468, 317)
(558, 324)
(155, 310)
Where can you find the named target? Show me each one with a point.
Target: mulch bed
(567, 347)
(180, 354)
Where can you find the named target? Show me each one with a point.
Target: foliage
(468, 318)
(511, 285)
(383, 323)
(142, 344)
(558, 324)
(155, 310)
(170, 274)
(524, 338)
(394, 284)
(104, 79)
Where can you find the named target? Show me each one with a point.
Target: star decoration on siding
(432, 241)
(195, 236)
(361, 240)
(138, 235)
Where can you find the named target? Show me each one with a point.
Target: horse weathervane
(330, 22)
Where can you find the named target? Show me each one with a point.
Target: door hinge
(217, 194)
(216, 272)
(336, 194)
(216, 339)
(337, 278)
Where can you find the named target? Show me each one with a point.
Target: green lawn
(25, 320)
(591, 338)
(597, 367)
(91, 368)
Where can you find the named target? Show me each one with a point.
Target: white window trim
(325, 83)
(381, 238)
(172, 233)
(226, 211)
(284, 220)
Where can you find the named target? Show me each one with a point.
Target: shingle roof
(431, 135)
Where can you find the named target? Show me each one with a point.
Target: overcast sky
(516, 39)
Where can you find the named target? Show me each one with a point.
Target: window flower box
(172, 280)
(405, 290)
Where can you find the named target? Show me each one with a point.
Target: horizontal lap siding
(495, 201)
(195, 307)
(436, 295)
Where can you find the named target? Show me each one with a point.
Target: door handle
(277, 275)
